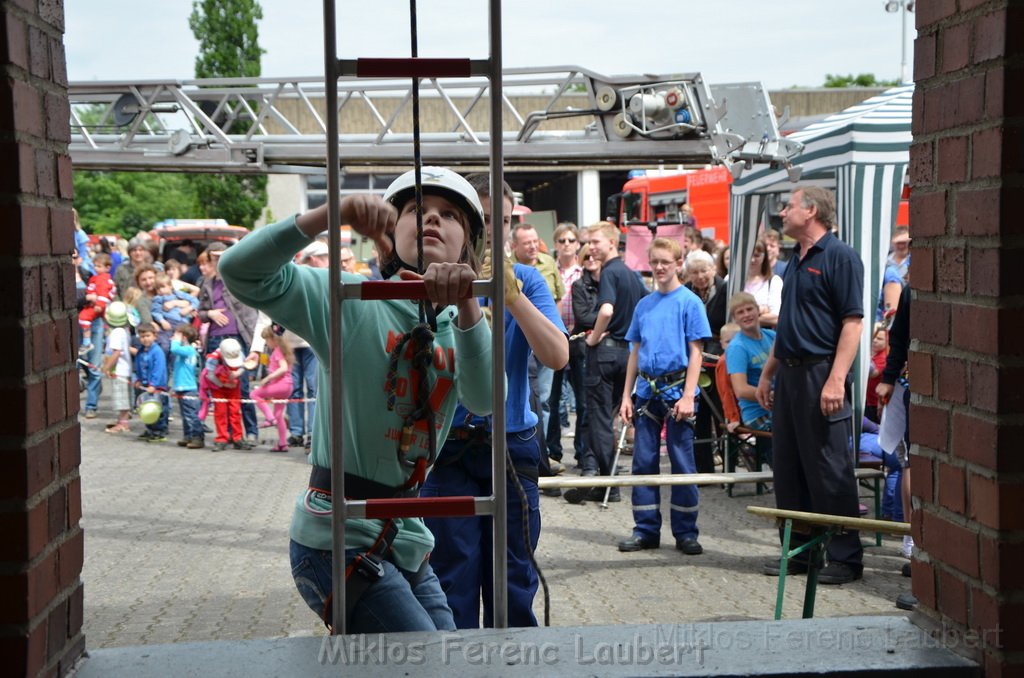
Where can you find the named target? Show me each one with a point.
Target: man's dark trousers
(813, 468)
(606, 377)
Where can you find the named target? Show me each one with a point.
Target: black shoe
(145, 436)
(156, 438)
(220, 447)
(906, 570)
(238, 444)
(772, 568)
(295, 441)
(576, 495)
(906, 601)
(552, 492)
(597, 494)
(838, 573)
(690, 547)
(638, 542)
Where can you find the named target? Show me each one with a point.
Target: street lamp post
(904, 7)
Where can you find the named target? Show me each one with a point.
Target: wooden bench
(820, 527)
(871, 478)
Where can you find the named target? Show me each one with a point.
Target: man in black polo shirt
(607, 356)
(816, 342)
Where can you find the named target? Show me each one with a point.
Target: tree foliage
(862, 80)
(228, 47)
(228, 38)
(124, 203)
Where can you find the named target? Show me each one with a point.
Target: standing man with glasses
(816, 341)
(566, 251)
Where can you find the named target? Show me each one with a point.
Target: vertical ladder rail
(336, 297)
(496, 505)
(498, 443)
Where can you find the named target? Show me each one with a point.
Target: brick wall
(967, 364)
(40, 491)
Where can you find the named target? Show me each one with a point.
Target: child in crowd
(747, 354)
(277, 385)
(730, 406)
(186, 365)
(98, 293)
(392, 556)
(879, 351)
(151, 376)
(667, 335)
(174, 270)
(117, 364)
(170, 308)
(223, 369)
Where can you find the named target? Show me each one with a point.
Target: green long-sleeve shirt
(259, 272)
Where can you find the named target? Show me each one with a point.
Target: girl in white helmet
(406, 595)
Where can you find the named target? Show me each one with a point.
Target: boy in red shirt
(223, 368)
(99, 292)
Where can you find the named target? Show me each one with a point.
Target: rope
(421, 338)
(524, 507)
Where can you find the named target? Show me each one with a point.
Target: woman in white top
(764, 285)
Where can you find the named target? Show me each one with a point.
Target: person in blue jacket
(462, 555)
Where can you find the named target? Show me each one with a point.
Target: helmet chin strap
(396, 263)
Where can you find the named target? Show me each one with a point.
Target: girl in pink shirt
(277, 385)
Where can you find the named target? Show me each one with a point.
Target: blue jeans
(93, 379)
(545, 378)
(188, 405)
(463, 546)
(647, 500)
(248, 409)
(397, 602)
(300, 415)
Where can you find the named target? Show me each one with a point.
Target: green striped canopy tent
(862, 154)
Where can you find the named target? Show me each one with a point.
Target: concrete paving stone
(193, 545)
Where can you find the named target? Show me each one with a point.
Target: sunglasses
(589, 257)
(563, 241)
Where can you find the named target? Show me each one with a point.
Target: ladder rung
(420, 507)
(376, 290)
(408, 67)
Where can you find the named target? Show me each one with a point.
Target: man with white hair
(816, 343)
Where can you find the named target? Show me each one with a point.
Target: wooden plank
(866, 524)
(678, 479)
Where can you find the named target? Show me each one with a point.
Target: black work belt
(614, 343)
(356, 487)
(678, 375)
(480, 436)
(806, 360)
(475, 434)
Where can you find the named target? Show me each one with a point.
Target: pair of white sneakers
(908, 546)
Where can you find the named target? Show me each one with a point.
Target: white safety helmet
(150, 408)
(116, 314)
(449, 185)
(231, 352)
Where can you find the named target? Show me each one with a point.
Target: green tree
(862, 80)
(228, 47)
(124, 203)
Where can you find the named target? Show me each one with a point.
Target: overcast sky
(781, 43)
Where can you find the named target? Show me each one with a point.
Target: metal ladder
(342, 508)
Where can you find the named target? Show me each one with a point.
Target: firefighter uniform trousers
(646, 461)
(813, 462)
(462, 546)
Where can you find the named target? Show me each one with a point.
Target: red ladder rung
(412, 67)
(421, 507)
(377, 290)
